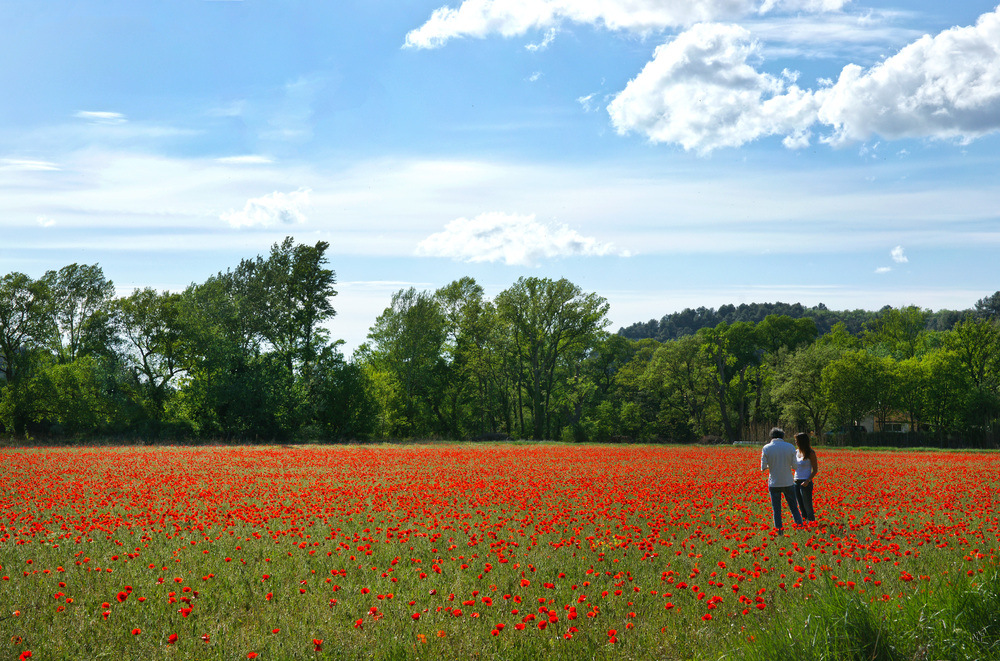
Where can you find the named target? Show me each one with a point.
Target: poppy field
(492, 551)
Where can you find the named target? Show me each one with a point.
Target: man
(778, 458)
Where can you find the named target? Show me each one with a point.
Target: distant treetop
(689, 321)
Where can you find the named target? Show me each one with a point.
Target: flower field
(497, 551)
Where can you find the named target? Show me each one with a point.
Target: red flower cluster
(628, 535)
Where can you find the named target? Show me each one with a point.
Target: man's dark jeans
(789, 493)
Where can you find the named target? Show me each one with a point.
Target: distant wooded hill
(689, 321)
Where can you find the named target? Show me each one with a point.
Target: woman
(806, 468)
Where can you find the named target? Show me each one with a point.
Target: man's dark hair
(777, 432)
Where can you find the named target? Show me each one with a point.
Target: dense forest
(687, 322)
(247, 356)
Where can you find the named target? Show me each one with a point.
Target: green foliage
(734, 355)
(851, 385)
(81, 299)
(247, 354)
(407, 342)
(799, 389)
(898, 332)
(552, 325)
(25, 322)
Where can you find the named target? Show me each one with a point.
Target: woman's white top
(803, 467)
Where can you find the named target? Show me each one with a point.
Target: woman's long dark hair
(802, 441)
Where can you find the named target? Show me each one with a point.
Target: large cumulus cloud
(702, 90)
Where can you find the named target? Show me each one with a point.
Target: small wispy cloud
(27, 165)
(883, 269)
(101, 117)
(550, 35)
(234, 109)
(515, 240)
(588, 102)
(535, 76)
(898, 256)
(247, 159)
(268, 210)
(43, 221)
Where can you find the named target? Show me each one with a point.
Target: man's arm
(763, 460)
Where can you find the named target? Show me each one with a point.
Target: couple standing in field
(790, 473)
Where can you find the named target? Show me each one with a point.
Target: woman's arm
(814, 464)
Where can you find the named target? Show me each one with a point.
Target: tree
(548, 320)
(679, 385)
(345, 407)
(293, 289)
(63, 398)
(858, 384)
(735, 356)
(951, 400)
(81, 299)
(151, 327)
(989, 306)
(407, 341)
(910, 379)
(976, 342)
(778, 331)
(898, 331)
(477, 391)
(25, 322)
(799, 386)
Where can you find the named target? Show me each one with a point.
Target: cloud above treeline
(703, 89)
(480, 18)
(270, 210)
(513, 239)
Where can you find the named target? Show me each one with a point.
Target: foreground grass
(491, 552)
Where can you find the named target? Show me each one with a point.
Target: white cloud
(946, 86)
(27, 165)
(247, 159)
(479, 18)
(701, 91)
(534, 77)
(833, 36)
(101, 117)
(115, 201)
(515, 240)
(270, 210)
(550, 35)
(898, 256)
(234, 109)
(587, 102)
(45, 222)
(883, 269)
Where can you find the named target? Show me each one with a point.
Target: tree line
(247, 356)
(690, 320)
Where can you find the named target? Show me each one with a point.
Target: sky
(663, 154)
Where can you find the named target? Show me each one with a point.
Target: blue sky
(662, 153)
